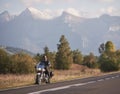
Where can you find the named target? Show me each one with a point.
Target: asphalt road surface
(107, 84)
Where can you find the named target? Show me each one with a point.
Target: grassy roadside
(11, 81)
(76, 71)
(64, 75)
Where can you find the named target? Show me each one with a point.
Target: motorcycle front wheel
(39, 80)
(48, 80)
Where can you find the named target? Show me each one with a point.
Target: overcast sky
(89, 8)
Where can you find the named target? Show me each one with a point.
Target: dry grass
(76, 71)
(10, 80)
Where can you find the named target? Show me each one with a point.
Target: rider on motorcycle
(47, 64)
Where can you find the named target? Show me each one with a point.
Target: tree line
(21, 63)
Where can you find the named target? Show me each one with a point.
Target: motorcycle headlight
(39, 69)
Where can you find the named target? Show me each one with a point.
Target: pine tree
(50, 56)
(46, 50)
(108, 60)
(64, 55)
(77, 57)
(90, 61)
(109, 47)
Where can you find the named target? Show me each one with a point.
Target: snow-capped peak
(37, 14)
(73, 11)
(25, 13)
(49, 14)
(5, 16)
(71, 18)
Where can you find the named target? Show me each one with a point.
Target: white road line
(112, 77)
(80, 84)
(100, 80)
(117, 76)
(52, 89)
(68, 86)
(107, 78)
(91, 82)
(63, 87)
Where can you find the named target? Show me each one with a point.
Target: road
(107, 84)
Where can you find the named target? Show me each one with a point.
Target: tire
(39, 80)
(47, 79)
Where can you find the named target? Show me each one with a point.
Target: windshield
(41, 65)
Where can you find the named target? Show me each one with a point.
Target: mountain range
(33, 30)
(13, 50)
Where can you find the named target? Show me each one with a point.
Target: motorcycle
(42, 76)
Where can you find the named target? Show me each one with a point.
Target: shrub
(22, 64)
(109, 62)
(90, 61)
(4, 62)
